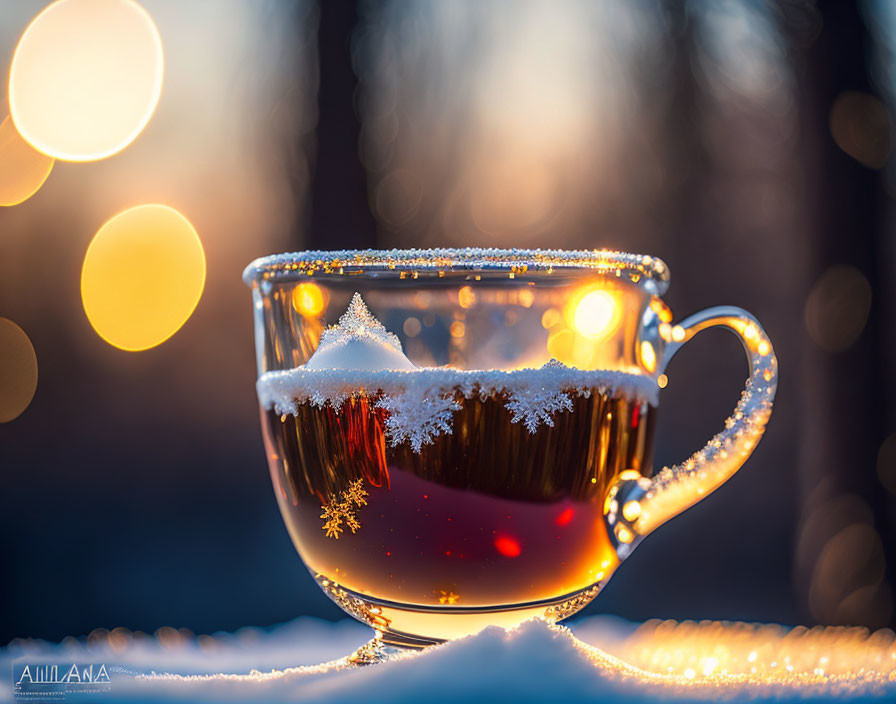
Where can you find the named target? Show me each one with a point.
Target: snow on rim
(645, 267)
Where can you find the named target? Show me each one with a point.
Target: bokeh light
(142, 277)
(466, 297)
(85, 78)
(23, 169)
(837, 308)
(851, 562)
(308, 299)
(596, 315)
(18, 371)
(840, 555)
(861, 125)
(412, 327)
(648, 356)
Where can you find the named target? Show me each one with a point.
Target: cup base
(411, 627)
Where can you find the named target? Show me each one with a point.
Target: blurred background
(746, 143)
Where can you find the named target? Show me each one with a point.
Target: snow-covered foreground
(536, 662)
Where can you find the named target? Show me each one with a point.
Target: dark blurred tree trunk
(340, 216)
(844, 397)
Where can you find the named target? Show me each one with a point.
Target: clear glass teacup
(463, 438)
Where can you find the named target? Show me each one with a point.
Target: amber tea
(491, 515)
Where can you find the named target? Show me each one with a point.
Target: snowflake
(352, 522)
(417, 418)
(533, 405)
(337, 512)
(448, 597)
(333, 513)
(355, 494)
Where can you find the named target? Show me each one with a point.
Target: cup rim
(639, 268)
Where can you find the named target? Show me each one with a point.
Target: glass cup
(464, 438)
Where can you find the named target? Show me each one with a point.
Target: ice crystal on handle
(536, 403)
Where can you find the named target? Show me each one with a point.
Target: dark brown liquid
(488, 515)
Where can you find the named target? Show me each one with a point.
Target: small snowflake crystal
(417, 417)
(356, 493)
(535, 404)
(332, 516)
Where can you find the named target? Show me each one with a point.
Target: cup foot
(409, 627)
(374, 652)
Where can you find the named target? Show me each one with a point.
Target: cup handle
(637, 505)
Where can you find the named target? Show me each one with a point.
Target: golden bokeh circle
(309, 299)
(596, 313)
(837, 308)
(85, 78)
(142, 277)
(18, 371)
(23, 169)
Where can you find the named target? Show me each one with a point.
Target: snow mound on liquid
(359, 357)
(358, 341)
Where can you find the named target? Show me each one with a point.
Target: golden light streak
(18, 371)
(143, 276)
(761, 657)
(23, 169)
(85, 78)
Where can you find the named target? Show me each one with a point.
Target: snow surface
(534, 663)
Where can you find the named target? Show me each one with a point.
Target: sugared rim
(514, 261)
